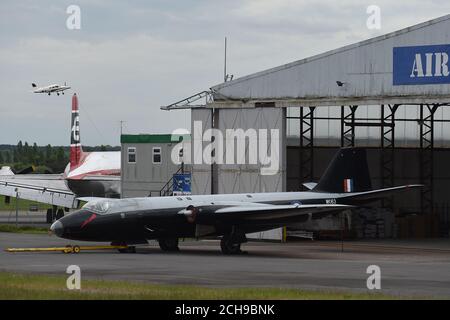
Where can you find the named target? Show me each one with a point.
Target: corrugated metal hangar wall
(237, 178)
(372, 72)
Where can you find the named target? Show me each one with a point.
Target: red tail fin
(76, 151)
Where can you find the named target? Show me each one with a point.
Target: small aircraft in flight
(53, 88)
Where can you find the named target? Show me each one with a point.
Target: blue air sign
(421, 65)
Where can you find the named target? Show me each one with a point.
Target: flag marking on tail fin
(348, 185)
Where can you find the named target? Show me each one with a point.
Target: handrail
(167, 188)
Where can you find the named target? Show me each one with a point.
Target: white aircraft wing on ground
(45, 188)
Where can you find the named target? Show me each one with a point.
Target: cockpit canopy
(99, 206)
(108, 206)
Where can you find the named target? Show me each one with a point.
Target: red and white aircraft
(88, 174)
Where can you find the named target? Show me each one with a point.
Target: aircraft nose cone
(57, 228)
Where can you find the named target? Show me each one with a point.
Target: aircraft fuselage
(141, 219)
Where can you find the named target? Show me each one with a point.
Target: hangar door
(201, 173)
(238, 177)
(242, 178)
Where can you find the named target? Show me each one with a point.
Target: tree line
(45, 159)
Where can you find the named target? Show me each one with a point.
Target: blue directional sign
(181, 183)
(421, 65)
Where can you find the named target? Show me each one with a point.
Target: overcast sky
(131, 57)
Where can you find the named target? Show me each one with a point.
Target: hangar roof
(380, 70)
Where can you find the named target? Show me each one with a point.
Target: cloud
(130, 57)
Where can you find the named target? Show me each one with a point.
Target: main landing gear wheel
(168, 244)
(228, 246)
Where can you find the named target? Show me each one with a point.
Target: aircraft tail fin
(76, 151)
(33, 85)
(347, 172)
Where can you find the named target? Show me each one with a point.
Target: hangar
(389, 94)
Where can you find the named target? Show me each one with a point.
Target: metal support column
(387, 149)
(214, 168)
(348, 135)
(306, 145)
(426, 124)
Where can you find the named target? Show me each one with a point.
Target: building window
(157, 155)
(131, 155)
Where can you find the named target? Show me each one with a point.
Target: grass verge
(23, 204)
(43, 287)
(22, 229)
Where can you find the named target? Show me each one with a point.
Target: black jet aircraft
(345, 184)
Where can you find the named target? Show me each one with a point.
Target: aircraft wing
(374, 195)
(262, 213)
(99, 177)
(279, 211)
(46, 188)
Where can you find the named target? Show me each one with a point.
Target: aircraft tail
(76, 151)
(33, 85)
(347, 172)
